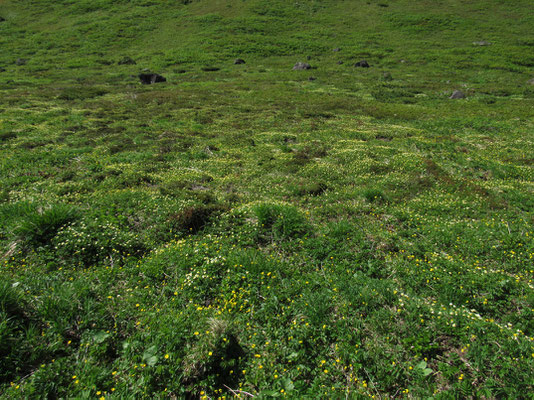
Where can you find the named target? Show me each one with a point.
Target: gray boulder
(457, 95)
(362, 64)
(301, 66)
(148, 79)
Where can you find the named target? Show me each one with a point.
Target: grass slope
(251, 230)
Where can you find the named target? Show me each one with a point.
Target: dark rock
(148, 79)
(301, 66)
(336, 49)
(312, 78)
(126, 61)
(362, 64)
(180, 71)
(210, 69)
(2, 19)
(2, 69)
(482, 43)
(308, 58)
(457, 95)
(21, 61)
(340, 62)
(239, 61)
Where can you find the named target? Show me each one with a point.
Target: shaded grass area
(242, 227)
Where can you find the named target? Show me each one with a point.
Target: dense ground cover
(251, 230)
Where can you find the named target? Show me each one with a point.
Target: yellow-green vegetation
(243, 230)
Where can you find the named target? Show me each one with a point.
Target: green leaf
(288, 385)
(269, 393)
(149, 356)
(99, 337)
(151, 361)
(421, 365)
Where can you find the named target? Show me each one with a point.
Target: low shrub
(40, 225)
(279, 221)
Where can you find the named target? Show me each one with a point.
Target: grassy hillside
(252, 230)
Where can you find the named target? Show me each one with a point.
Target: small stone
(531, 81)
(21, 61)
(195, 187)
(336, 49)
(387, 76)
(2, 69)
(210, 69)
(2, 19)
(148, 79)
(312, 78)
(339, 62)
(362, 64)
(457, 95)
(301, 66)
(482, 43)
(238, 61)
(126, 61)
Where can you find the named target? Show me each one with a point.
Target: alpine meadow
(259, 199)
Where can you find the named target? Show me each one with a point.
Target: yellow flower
(166, 356)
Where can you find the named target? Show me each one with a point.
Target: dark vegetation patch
(193, 219)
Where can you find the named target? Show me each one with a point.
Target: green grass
(248, 229)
